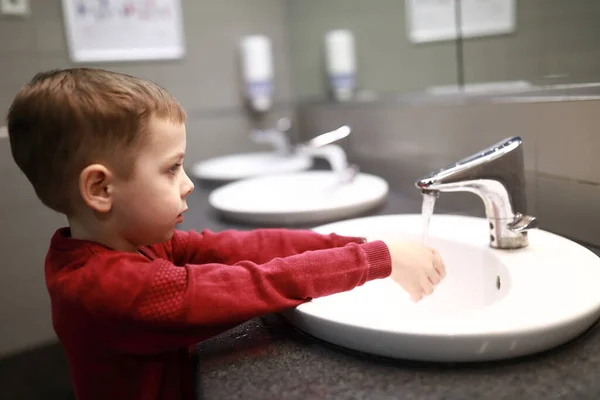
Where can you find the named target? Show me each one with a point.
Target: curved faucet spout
(497, 175)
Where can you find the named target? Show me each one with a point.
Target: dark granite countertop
(267, 358)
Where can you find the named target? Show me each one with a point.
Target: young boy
(131, 294)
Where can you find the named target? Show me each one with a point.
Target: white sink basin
(299, 198)
(493, 304)
(246, 165)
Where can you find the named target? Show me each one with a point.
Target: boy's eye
(174, 168)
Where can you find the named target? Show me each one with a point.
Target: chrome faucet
(497, 176)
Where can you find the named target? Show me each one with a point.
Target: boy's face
(148, 206)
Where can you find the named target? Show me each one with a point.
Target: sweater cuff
(340, 240)
(379, 259)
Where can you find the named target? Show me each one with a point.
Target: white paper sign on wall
(123, 30)
(435, 20)
(14, 7)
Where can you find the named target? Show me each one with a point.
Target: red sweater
(127, 320)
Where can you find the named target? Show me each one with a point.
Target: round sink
(246, 165)
(493, 304)
(298, 198)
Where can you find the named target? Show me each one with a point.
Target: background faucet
(497, 176)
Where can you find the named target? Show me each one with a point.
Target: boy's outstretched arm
(259, 245)
(148, 306)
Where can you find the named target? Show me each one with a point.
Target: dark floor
(40, 373)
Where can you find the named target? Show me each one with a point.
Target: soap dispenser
(340, 58)
(257, 71)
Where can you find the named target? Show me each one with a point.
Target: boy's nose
(188, 185)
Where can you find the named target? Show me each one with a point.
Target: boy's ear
(95, 186)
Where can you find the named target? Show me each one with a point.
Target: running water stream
(427, 212)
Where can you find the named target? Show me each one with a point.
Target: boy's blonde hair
(64, 120)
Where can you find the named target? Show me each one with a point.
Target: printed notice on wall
(435, 20)
(123, 30)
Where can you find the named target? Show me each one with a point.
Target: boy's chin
(168, 235)
(161, 239)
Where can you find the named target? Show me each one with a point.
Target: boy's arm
(259, 245)
(146, 307)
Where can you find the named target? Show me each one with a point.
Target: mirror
(388, 61)
(554, 42)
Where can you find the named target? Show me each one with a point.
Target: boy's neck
(98, 232)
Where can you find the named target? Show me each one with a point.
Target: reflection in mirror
(554, 47)
(388, 62)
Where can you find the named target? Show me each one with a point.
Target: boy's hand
(417, 268)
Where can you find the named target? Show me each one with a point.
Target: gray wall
(206, 82)
(26, 230)
(403, 142)
(556, 41)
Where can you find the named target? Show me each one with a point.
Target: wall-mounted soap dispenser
(340, 58)
(257, 71)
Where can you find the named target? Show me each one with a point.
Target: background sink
(245, 165)
(493, 304)
(298, 198)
